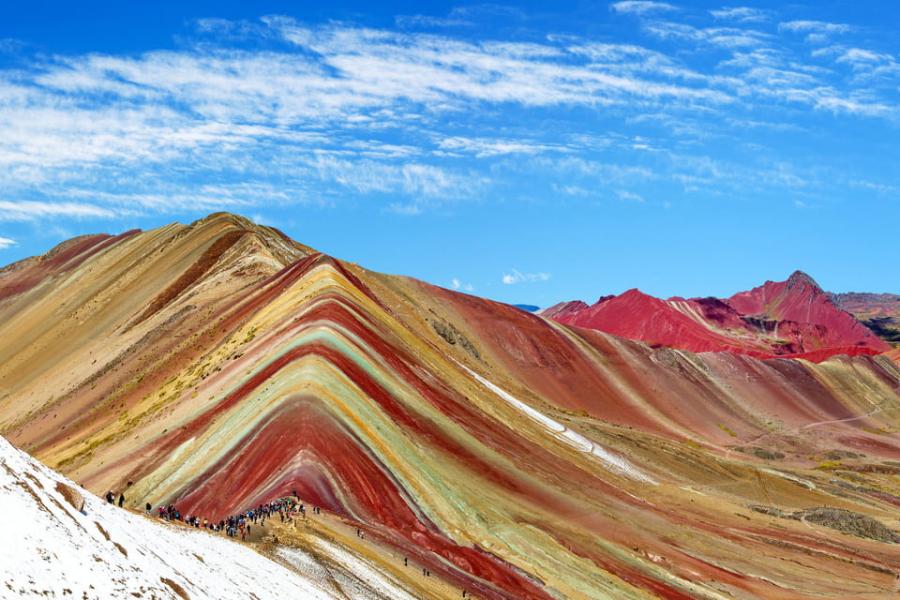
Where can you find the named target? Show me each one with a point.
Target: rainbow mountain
(221, 364)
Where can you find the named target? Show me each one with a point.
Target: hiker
(110, 497)
(149, 507)
(405, 562)
(121, 500)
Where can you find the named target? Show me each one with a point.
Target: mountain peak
(238, 221)
(635, 293)
(799, 278)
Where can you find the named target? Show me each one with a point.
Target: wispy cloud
(280, 111)
(815, 26)
(458, 284)
(515, 277)
(428, 21)
(482, 147)
(741, 14)
(724, 37)
(33, 210)
(6, 242)
(856, 56)
(641, 7)
(817, 32)
(629, 196)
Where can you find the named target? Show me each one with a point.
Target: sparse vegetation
(452, 336)
(839, 519)
(828, 465)
(727, 429)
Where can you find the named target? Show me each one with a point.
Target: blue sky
(528, 152)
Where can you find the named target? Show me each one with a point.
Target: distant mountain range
(793, 318)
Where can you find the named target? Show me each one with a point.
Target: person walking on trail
(121, 500)
(110, 497)
(149, 507)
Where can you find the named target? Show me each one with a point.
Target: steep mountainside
(219, 365)
(800, 300)
(793, 318)
(65, 542)
(878, 312)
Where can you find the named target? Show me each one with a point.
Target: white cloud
(33, 210)
(629, 196)
(869, 64)
(814, 26)
(723, 37)
(6, 242)
(858, 55)
(515, 276)
(572, 190)
(881, 188)
(741, 14)
(861, 107)
(483, 148)
(313, 113)
(219, 105)
(414, 179)
(641, 7)
(817, 32)
(458, 284)
(413, 21)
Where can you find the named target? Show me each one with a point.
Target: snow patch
(51, 549)
(355, 579)
(561, 432)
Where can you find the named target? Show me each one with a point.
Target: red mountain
(792, 318)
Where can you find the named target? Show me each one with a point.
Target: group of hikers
(240, 524)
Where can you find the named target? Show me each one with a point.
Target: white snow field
(51, 549)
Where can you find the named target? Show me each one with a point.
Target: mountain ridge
(794, 318)
(510, 455)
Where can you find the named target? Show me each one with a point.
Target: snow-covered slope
(51, 549)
